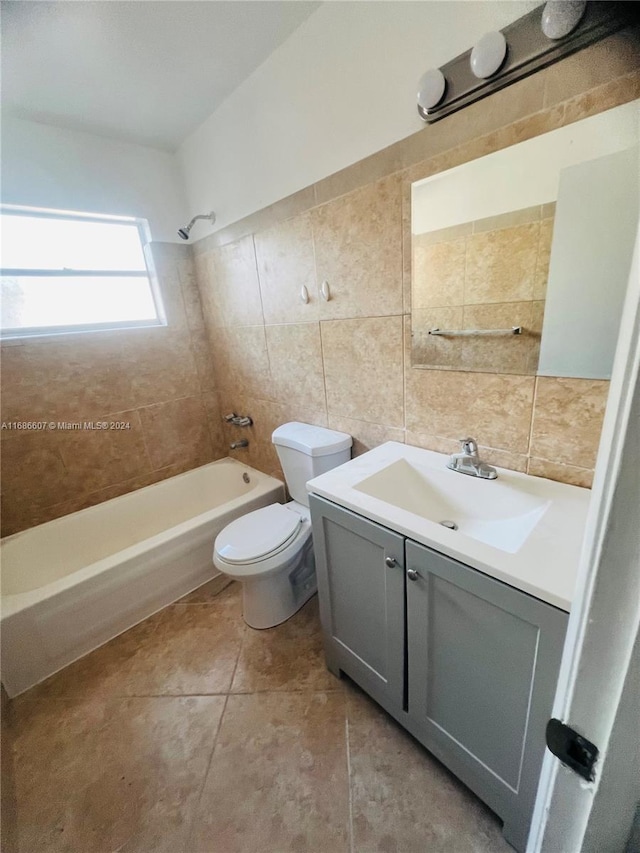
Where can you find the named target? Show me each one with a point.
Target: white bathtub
(71, 584)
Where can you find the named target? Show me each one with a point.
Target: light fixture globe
(561, 17)
(488, 55)
(431, 89)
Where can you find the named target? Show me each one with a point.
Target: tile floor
(193, 733)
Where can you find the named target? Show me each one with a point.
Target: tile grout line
(348, 750)
(205, 776)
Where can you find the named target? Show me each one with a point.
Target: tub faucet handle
(230, 417)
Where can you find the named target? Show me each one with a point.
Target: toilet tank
(306, 451)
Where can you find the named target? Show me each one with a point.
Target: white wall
(340, 88)
(46, 166)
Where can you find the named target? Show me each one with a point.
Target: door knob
(412, 574)
(391, 562)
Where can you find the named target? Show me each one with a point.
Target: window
(65, 272)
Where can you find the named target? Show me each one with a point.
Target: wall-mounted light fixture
(561, 17)
(543, 36)
(488, 55)
(431, 88)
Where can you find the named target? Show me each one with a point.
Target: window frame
(149, 273)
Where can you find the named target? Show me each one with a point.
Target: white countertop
(545, 563)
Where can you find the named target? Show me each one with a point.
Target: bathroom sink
(501, 513)
(522, 530)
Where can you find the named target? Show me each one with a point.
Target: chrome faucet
(236, 444)
(468, 461)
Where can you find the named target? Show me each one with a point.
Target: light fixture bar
(528, 50)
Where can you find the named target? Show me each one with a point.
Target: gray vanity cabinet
(483, 662)
(464, 662)
(360, 567)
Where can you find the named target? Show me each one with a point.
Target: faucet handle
(469, 445)
(230, 417)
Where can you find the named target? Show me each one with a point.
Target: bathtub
(71, 584)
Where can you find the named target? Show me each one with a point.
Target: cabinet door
(483, 663)
(360, 567)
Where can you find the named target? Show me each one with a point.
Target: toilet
(270, 550)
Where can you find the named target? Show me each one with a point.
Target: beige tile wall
(487, 274)
(346, 362)
(159, 380)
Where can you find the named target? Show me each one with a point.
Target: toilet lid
(257, 534)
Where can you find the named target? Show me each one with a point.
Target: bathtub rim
(13, 603)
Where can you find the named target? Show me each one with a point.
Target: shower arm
(184, 232)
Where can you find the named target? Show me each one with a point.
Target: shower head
(184, 232)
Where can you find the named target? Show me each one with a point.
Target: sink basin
(522, 530)
(501, 512)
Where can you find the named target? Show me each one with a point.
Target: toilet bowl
(270, 550)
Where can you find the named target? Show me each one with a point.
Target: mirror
(520, 259)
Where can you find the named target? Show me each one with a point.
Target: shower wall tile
(124, 375)
(363, 364)
(286, 264)
(295, 360)
(95, 459)
(267, 415)
(177, 432)
(203, 359)
(358, 250)
(211, 402)
(164, 367)
(190, 294)
(33, 471)
(241, 360)
(234, 291)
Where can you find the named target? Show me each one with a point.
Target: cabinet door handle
(391, 562)
(412, 574)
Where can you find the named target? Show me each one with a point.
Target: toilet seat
(257, 535)
(259, 543)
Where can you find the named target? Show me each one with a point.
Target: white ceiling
(138, 70)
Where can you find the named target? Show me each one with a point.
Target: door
(598, 679)
(360, 567)
(483, 661)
